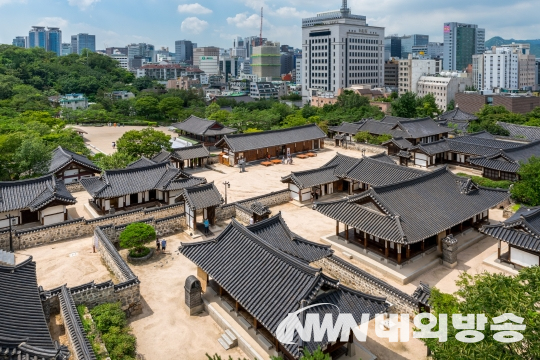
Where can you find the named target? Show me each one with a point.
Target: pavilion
(200, 199)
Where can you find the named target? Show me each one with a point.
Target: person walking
(113, 145)
(163, 245)
(206, 226)
(251, 221)
(158, 245)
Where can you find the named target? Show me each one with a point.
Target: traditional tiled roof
(413, 210)
(381, 128)
(260, 209)
(404, 154)
(487, 142)
(403, 128)
(508, 160)
(482, 134)
(23, 327)
(477, 144)
(196, 125)
(142, 162)
(529, 133)
(72, 322)
(270, 284)
(521, 230)
(343, 163)
(276, 233)
(266, 139)
(62, 158)
(202, 196)
(393, 119)
(346, 127)
(33, 194)
(186, 153)
(116, 183)
(377, 173)
(422, 293)
(400, 142)
(309, 178)
(383, 157)
(457, 114)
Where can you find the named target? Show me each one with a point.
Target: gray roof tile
(116, 183)
(509, 160)
(186, 153)
(265, 139)
(202, 196)
(62, 158)
(413, 210)
(142, 162)
(196, 125)
(521, 131)
(457, 114)
(33, 194)
(378, 173)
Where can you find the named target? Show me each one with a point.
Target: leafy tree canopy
(136, 235)
(527, 189)
(147, 142)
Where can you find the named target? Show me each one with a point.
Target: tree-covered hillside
(498, 41)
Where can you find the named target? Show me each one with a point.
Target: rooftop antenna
(344, 9)
(260, 34)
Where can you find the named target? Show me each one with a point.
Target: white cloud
(243, 21)
(193, 9)
(53, 21)
(193, 25)
(291, 12)
(82, 4)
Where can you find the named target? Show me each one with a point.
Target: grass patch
(482, 181)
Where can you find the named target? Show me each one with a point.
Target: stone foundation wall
(72, 229)
(358, 279)
(240, 209)
(170, 225)
(376, 149)
(75, 187)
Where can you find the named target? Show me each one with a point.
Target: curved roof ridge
(119, 171)
(33, 180)
(427, 175)
(269, 131)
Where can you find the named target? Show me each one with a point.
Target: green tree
(117, 160)
(350, 99)
(32, 158)
(492, 295)
(212, 108)
(135, 236)
(170, 106)
(294, 120)
(221, 116)
(527, 189)
(362, 137)
(405, 106)
(451, 105)
(146, 106)
(147, 142)
(427, 106)
(143, 83)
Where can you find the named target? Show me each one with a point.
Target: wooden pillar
(337, 228)
(255, 324)
(386, 249)
(408, 251)
(399, 253)
(220, 291)
(423, 245)
(237, 306)
(499, 250)
(461, 227)
(347, 232)
(365, 240)
(351, 187)
(300, 194)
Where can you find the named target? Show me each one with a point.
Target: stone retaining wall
(240, 209)
(75, 187)
(358, 279)
(28, 238)
(376, 149)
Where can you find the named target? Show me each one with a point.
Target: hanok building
(457, 119)
(276, 143)
(407, 132)
(71, 167)
(143, 186)
(263, 273)
(347, 174)
(521, 232)
(191, 156)
(459, 150)
(24, 332)
(505, 164)
(42, 201)
(200, 200)
(405, 219)
(206, 131)
(521, 132)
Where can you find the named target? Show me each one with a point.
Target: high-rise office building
(49, 39)
(461, 42)
(339, 50)
(74, 48)
(251, 41)
(66, 49)
(20, 41)
(266, 61)
(84, 41)
(183, 51)
(408, 41)
(208, 51)
(287, 62)
(116, 50)
(298, 68)
(392, 47)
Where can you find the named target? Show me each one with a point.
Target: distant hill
(497, 41)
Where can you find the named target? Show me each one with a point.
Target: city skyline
(218, 23)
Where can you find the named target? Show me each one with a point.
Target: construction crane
(260, 34)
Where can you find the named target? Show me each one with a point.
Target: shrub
(482, 181)
(108, 315)
(134, 254)
(111, 321)
(135, 236)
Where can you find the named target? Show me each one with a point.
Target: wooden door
(211, 211)
(28, 216)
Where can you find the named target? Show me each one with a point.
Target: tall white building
(443, 87)
(496, 69)
(410, 71)
(298, 68)
(339, 50)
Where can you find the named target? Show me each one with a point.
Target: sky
(219, 22)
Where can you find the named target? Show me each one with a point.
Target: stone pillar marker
(193, 298)
(449, 251)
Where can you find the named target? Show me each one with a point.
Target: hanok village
(315, 218)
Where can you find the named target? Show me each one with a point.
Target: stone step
(223, 344)
(231, 335)
(264, 342)
(228, 341)
(226, 305)
(245, 324)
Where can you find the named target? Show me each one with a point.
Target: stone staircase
(6, 258)
(228, 340)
